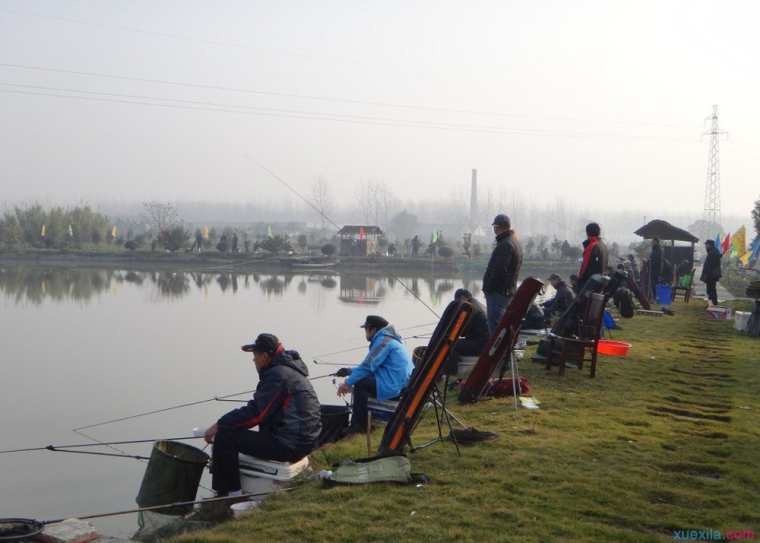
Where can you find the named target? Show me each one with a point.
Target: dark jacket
(284, 405)
(504, 266)
(711, 268)
(597, 262)
(562, 300)
(655, 264)
(477, 326)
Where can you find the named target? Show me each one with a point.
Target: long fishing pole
(336, 225)
(351, 349)
(157, 507)
(162, 410)
(99, 444)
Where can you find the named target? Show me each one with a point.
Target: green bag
(394, 469)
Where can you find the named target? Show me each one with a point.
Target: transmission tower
(712, 212)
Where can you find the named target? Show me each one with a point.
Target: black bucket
(19, 529)
(173, 474)
(334, 423)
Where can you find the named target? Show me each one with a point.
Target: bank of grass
(664, 440)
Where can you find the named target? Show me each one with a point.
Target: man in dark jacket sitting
(284, 407)
(711, 271)
(472, 340)
(500, 278)
(563, 298)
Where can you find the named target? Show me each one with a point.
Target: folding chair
(584, 345)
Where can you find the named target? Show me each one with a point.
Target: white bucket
(258, 476)
(741, 320)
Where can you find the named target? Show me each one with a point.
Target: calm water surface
(81, 346)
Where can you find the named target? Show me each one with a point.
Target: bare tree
(160, 215)
(320, 193)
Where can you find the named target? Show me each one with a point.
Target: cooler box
(741, 320)
(719, 313)
(258, 476)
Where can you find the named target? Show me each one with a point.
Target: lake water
(80, 346)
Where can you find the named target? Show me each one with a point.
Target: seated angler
(382, 374)
(562, 299)
(284, 407)
(474, 337)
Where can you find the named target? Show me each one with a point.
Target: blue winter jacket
(388, 361)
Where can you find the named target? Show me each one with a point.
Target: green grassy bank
(667, 439)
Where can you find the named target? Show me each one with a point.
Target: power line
(331, 117)
(374, 103)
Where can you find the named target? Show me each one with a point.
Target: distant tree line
(57, 227)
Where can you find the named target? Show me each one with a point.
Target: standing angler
(594, 255)
(500, 279)
(711, 272)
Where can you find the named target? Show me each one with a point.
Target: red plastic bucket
(609, 347)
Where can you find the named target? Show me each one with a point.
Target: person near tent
(284, 407)
(594, 255)
(382, 374)
(473, 338)
(632, 268)
(711, 271)
(563, 298)
(655, 266)
(500, 278)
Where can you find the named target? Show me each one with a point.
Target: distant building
(359, 240)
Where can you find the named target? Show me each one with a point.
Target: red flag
(362, 233)
(726, 245)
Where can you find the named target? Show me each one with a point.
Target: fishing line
(419, 336)
(324, 216)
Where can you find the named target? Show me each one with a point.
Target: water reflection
(34, 285)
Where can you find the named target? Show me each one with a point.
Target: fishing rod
(99, 444)
(157, 507)
(162, 410)
(419, 336)
(336, 225)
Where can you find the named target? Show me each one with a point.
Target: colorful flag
(113, 232)
(433, 237)
(362, 233)
(744, 259)
(739, 245)
(204, 233)
(43, 233)
(726, 245)
(269, 231)
(717, 241)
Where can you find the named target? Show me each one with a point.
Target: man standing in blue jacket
(382, 374)
(284, 407)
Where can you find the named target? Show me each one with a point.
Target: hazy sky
(600, 102)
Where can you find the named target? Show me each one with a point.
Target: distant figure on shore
(234, 243)
(711, 271)
(500, 278)
(284, 407)
(416, 243)
(382, 374)
(198, 243)
(594, 254)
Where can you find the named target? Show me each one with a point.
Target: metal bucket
(173, 474)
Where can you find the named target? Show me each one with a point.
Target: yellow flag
(43, 232)
(745, 258)
(204, 233)
(739, 245)
(113, 232)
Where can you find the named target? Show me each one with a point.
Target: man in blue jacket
(383, 372)
(284, 407)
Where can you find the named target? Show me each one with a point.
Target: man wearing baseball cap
(500, 278)
(284, 407)
(383, 372)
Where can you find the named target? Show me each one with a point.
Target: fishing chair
(585, 344)
(684, 286)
